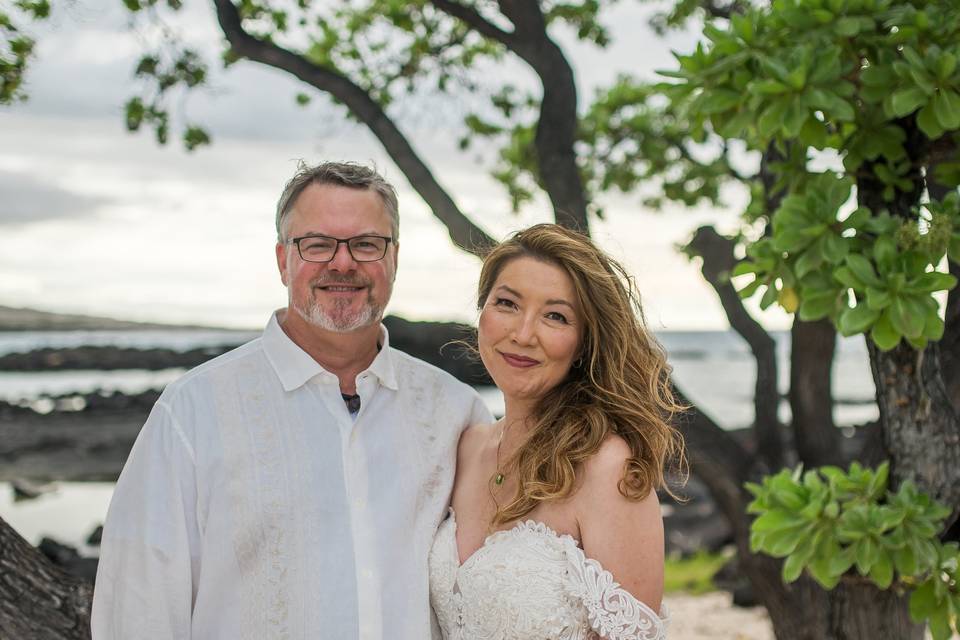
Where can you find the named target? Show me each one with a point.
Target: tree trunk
(38, 601)
(921, 428)
(812, 346)
(950, 344)
(862, 611)
(855, 609)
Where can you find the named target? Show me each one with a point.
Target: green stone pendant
(499, 479)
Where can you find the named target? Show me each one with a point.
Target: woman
(554, 528)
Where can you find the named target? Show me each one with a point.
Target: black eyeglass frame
(296, 241)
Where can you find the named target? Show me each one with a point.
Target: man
(291, 488)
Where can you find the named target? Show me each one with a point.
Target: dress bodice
(530, 583)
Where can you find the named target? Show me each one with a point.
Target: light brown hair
(342, 174)
(619, 385)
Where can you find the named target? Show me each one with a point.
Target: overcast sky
(96, 220)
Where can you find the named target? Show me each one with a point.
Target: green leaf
(769, 297)
(846, 27)
(840, 560)
(929, 123)
(878, 299)
(794, 119)
(857, 319)
(776, 521)
(905, 318)
(934, 281)
(817, 306)
(923, 601)
(808, 261)
(750, 289)
(772, 118)
(863, 270)
(878, 76)
(792, 568)
(867, 553)
(953, 250)
(719, 100)
(883, 333)
(821, 571)
(905, 561)
(882, 571)
(933, 326)
(884, 250)
(767, 87)
(946, 64)
(906, 101)
(946, 106)
(835, 248)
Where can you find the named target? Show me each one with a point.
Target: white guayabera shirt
(254, 506)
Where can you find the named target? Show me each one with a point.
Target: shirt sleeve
(613, 612)
(150, 544)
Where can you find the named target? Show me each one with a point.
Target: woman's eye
(559, 317)
(504, 302)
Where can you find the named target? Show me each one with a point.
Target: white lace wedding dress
(530, 583)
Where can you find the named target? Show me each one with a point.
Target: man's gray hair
(344, 174)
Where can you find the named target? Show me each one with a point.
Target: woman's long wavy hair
(620, 384)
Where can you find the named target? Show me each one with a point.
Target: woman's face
(530, 327)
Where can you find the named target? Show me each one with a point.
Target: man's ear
(282, 262)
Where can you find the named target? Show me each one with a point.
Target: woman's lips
(522, 362)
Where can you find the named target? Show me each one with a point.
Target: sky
(96, 220)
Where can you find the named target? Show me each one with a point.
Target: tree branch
(472, 18)
(556, 133)
(718, 261)
(464, 233)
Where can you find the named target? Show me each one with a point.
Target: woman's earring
(578, 363)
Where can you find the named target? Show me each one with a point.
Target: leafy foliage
(16, 46)
(865, 272)
(877, 83)
(832, 523)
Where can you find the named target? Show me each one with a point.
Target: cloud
(27, 199)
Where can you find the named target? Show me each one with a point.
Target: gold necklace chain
(499, 477)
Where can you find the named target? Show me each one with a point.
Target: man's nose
(342, 259)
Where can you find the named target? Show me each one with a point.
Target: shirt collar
(295, 367)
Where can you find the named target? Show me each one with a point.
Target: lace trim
(613, 612)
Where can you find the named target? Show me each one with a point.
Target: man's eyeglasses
(324, 248)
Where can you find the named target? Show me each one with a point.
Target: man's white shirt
(254, 506)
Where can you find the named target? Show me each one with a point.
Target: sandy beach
(712, 616)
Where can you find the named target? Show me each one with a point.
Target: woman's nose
(525, 330)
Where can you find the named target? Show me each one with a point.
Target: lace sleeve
(613, 612)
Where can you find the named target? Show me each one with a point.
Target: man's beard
(339, 318)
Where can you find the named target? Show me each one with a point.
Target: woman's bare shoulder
(473, 439)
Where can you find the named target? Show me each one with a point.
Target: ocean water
(714, 368)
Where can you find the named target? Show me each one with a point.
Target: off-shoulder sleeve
(613, 612)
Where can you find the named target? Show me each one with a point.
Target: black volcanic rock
(439, 343)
